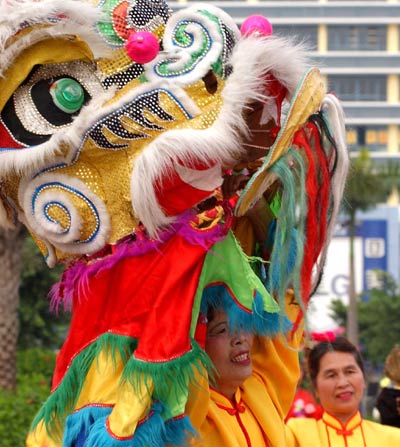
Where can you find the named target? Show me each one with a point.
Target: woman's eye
(218, 330)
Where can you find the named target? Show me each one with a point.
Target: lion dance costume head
(121, 121)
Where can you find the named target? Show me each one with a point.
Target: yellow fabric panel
(40, 438)
(50, 51)
(129, 409)
(98, 388)
(198, 402)
(93, 168)
(276, 360)
(220, 419)
(304, 432)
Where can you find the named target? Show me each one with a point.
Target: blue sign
(375, 249)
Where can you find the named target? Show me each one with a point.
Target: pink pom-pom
(327, 336)
(256, 24)
(142, 47)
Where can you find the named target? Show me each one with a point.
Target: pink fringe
(76, 277)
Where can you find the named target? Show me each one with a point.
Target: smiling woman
(250, 390)
(337, 374)
(230, 353)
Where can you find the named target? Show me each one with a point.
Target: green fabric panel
(226, 263)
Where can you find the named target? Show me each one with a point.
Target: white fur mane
(252, 59)
(63, 17)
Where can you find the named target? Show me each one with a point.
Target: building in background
(356, 44)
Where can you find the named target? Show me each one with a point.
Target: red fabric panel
(7, 140)
(149, 297)
(176, 196)
(278, 91)
(312, 225)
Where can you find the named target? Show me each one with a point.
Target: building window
(358, 88)
(357, 38)
(351, 137)
(305, 33)
(373, 138)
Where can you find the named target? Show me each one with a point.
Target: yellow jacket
(256, 418)
(329, 432)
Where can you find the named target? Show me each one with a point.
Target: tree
(25, 318)
(378, 319)
(39, 326)
(10, 262)
(367, 185)
(17, 409)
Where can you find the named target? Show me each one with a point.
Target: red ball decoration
(256, 24)
(142, 47)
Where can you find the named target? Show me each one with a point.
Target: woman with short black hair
(337, 375)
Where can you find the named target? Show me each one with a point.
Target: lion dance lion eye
(49, 100)
(68, 95)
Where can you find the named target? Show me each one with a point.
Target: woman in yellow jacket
(337, 375)
(253, 387)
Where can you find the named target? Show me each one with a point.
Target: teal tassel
(288, 245)
(179, 431)
(87, 428)
(79, 424)
(257, 321)
(302, 206)
(149, 433)
(218, 297)
(100, 437)
(266, 323)
(152, 431)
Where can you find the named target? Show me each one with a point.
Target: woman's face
(230, 353)
(340, 384)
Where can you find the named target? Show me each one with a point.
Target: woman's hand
(261, 136)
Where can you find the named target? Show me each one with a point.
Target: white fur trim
(35, 158)
(205, 180)
(30, 160)
(51, 258)
(252, 59)
(96, 110)
(333, 110)
(78, 18)
(55, 190)
(178, 57)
